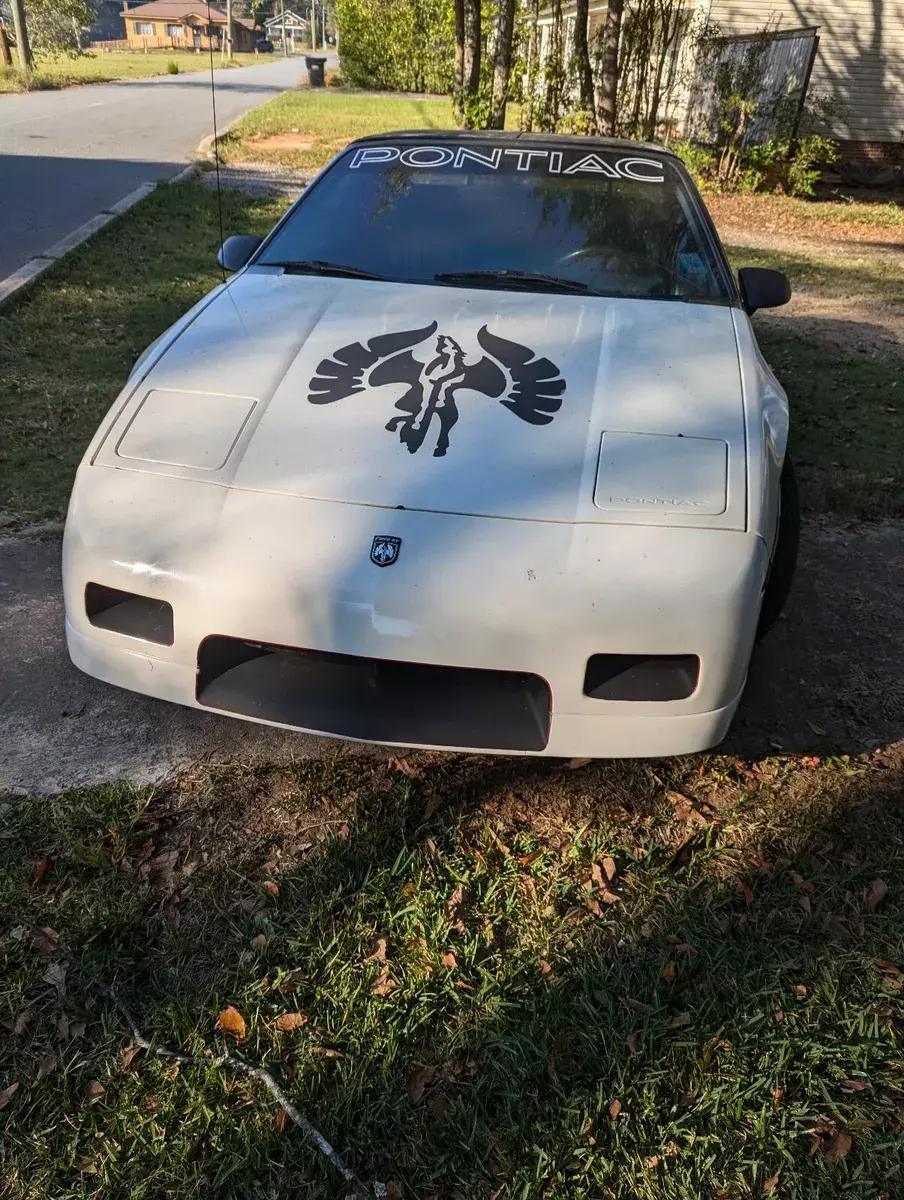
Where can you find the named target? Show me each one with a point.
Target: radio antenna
(213, 106)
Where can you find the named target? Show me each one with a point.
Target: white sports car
(475, 450)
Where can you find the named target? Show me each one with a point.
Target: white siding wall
(860, 58)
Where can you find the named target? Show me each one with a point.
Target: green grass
(327, 121)
(94, 67)
(67, 345)
(730, 1000)
(874, 277)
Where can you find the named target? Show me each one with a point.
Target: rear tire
(784, 558)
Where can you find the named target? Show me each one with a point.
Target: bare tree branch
(242, 1068)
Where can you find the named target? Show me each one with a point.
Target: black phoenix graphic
(529, 387)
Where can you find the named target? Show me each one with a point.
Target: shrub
(172, 68)
(810, 155)
(698, 161)
(397, 45)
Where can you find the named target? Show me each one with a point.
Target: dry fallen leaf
(45, 1066)
(778, 1096)
(288, 1022)
(875, 894)
(679, 1021)
(615, 1108)
(282, 1119)
(637, 1006)
(633, 1044)
(574, 764)
(668, 972)
(859, 1085)
(608, 897)
(271, 887)
(799, 989)
(449, 960)
(22, 1021)
(653, 1162)
(85, 1165)
(383, 985)
(56, 975)
(884, 965)
(454, 907)
(63, 1027)
(231, 1022)
(96, 1091)
(546, 970)
(41, 872)
(7, 1094)
(417, 1082)
(45, 940)
(124, 1058)
(745, 888)
(771, 1184)
(610, 870)
(377, 951)
(259, 943)
(403, 765)
(77, 1029)
(836, 1147)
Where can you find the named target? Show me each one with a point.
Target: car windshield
(521, 216)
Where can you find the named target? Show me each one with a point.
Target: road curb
(26, 274)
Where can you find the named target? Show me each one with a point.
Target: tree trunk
(471, 62)
(6, 58)
(502, 64)
(458, 78)
(582, 59)
(608, 93)
(22, 43)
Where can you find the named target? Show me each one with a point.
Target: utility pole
(282, 23)
(314, 25)
(22, 44)
(229, 30)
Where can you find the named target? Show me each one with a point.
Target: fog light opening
(127, 613)
(640, 677)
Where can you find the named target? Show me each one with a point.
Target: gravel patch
(261, 179)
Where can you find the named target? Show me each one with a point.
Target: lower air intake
(127, 613)
(375, 699)
(641, 676)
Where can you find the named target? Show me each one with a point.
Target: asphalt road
(67, 155)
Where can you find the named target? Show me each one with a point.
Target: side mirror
(761, 288)
(235, 251)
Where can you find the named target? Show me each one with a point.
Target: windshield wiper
(513, 279)
(316, 266)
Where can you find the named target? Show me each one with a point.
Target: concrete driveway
(67, 155)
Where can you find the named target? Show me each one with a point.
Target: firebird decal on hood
(528, 386)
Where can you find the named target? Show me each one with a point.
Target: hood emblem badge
(530, 387)
(385, 550)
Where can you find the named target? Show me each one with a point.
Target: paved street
(66, 155)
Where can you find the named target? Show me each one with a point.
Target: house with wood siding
(183, 25)
(859, 58)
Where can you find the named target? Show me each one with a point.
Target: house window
(173, 31)
(144, 28)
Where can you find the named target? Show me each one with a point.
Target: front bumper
(492, 594)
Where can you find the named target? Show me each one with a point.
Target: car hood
(446, 399)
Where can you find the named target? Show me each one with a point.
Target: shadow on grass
(677, 1041)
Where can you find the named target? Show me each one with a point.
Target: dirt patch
(296, 141)
(764, 217)
(829, 677)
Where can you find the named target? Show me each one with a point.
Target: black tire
(784, 558)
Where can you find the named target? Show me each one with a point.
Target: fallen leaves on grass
(406, 768)
(377, 951)
(455, 908)
(282, 1119)
(615, 1108)
(7, 1094)
(449, 960)
(858, 1085)
(638, 1006)
(45, 1066)
(259, 943)
(288, 1022)
(96, 1091)
(633, 1044)
(799, 989)
(231, 1022)
(668, 972)
(574, 764)
(771, 1184)
(56, 975)
(41, 872)
(678, 1022)
(546, 971)
(124, 1058)
(837, 1147)
(45, 940)
(417, 1082)
(876, 892)
(383, 984)
(273, 888)
(22, 1021)
(884, 965)
(86, 1166)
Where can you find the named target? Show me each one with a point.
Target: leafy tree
(57, 26)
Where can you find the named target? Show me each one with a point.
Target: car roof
(574, 140)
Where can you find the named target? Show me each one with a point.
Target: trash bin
(315, 70)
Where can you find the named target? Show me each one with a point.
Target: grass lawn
(306, 128)
(94, 67)
(506, 979)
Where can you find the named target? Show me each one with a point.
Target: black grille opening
(641, 676)
(375, 699)
(127, 613)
